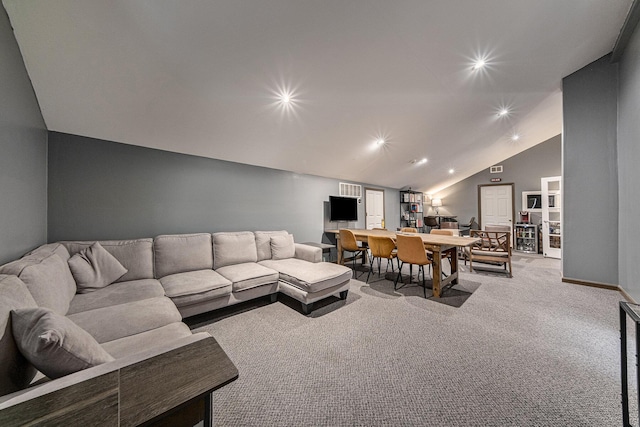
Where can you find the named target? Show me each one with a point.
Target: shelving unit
(526, 238)
(411, 209)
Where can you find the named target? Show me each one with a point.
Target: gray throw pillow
(95, 268)
(282, 247)
(54, 344)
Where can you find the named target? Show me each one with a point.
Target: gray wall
(590, 173)
(105, 190)
(628, 170)
(23, 148)
(524, 170)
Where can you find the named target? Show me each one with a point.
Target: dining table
(438, 244)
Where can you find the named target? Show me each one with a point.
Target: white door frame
(366, 208)
(513, 207)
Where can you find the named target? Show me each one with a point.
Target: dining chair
(408, 230)
(349, 243)
(411, 250)
(431, 222)
(466, 228)
(382, 247)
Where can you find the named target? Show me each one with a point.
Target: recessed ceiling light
(515, 137)
(423, 161)
(380, 141)
(479, 64)
(503, 112)
(285, 98)
(451, 171)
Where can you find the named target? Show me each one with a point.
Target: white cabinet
(551, 216)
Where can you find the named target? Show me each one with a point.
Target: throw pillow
(282, 247)
(54, 344)
(94, 268)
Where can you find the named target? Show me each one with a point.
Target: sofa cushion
(116, 293)
(57, 248)
(136, 255)
(186, 300)
(234, 248)
(248, 275)
(308, 276)
(15, 371)
(263, 242)
(122, 320)
(54, 344)
(47, 277)
(282, 247)
(193, 282)
(182, 252)
(94, 268)
(146, 340)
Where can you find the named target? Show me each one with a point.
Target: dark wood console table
(152, 387)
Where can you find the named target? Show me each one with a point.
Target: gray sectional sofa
(120, 304)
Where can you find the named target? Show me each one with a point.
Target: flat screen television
(343, 208)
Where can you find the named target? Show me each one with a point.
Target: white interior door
(551, 216)
(496, 205)
(374, 205)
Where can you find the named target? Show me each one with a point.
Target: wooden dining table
(436, 243)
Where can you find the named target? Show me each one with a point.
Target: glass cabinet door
(551, 216)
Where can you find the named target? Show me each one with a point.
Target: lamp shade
(436, 203)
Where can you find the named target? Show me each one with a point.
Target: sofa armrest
(127, 391)
(308, 253)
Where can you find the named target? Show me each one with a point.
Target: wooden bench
(494, 246)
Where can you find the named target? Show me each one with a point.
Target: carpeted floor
(527, 351)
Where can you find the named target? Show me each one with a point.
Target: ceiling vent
(496, 169)
(350, 190)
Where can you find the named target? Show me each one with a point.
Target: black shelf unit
(411, 209)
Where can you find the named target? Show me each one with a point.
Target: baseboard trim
(592, 284)
(628, 297)
(601, 286)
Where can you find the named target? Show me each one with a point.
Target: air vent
(496, 169)
(350, 190)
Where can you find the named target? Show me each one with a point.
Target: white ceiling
(200, 77)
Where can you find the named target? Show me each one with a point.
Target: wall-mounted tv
(343, 208)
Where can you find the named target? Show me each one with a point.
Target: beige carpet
(527, 351)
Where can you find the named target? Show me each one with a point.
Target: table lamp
(436, 203)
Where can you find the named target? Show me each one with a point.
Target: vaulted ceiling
(313, 86)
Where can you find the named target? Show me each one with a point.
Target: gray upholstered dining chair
(467, 227)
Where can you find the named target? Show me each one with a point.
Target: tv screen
(343, 208)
